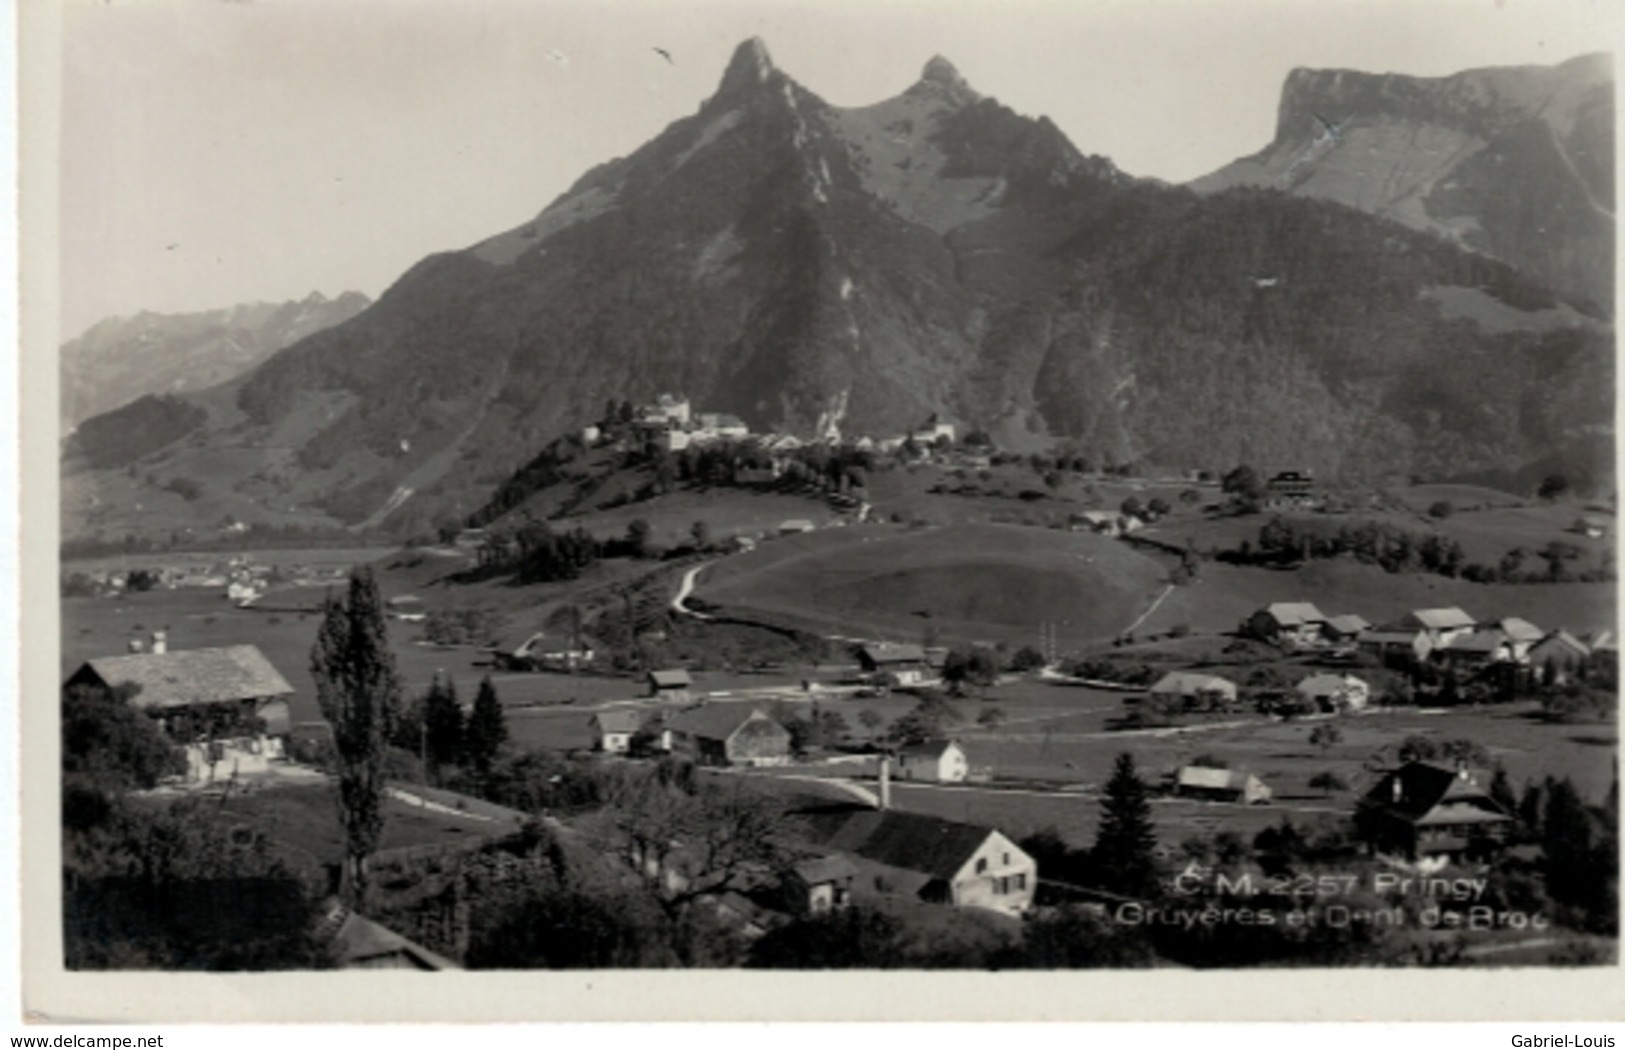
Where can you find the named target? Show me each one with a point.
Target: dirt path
(686, 588)
(1167, 589)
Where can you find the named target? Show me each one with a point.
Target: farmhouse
(940, 761)
(673, 685)
(1346, 628)
(612, 731)
(1421, 810)
(226, 706)
(1332, 692)
(1561, 651)
(1189, 686)
(358, 943)
(668, 409)
(819, 884)
(1289, 489)
(1442, 626)
(901, 665)
(1287, 623)
(1478, 649)
(1100, 522)
(727, 735)
(1397, 641)
(1520, 634)
(927, 858)
(537, 651)
(1221, 785)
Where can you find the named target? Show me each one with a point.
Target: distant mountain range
(124, 358)
(1514, 163)
(818, 270)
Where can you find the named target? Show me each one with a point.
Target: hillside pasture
(961, 583)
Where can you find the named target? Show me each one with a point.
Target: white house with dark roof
(226, 706)
(937, 761)
(613, 730)
(926, 858)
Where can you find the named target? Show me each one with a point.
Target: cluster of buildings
(1448, 636)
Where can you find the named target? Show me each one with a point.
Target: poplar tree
(359, 692)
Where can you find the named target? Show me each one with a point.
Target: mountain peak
(750, 65)
(941, 78)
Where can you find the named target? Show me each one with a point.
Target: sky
(213, 152)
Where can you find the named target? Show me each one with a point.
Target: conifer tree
(359, 692)
(443, 723)
(1124, 843)
(487, 728)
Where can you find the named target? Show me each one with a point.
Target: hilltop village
(699, 696)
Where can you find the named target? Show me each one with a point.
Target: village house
(358, 943)
(1221, 785)
(1422, 810)
(1561, 651)
(1290, 490)
(612, 731)
(1289, 624)
(1520, 634)
(1388, 642)
(1442, 626)
(227, 707)
(1334, 692)
(1345, 629)
(938, 761)
(537, 651)
(672, 685)
(1475, 650)
(899, 666)
(726, 735)
(1099, 522)
(1194, 688)
(926, 858)
(668, 409)
(408, 608)
(819, 885)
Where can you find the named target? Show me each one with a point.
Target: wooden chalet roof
(1295, 614)
(892, 653)
(1416, 791)
(360, 942)
(1480, 642)
(190, 676)
(1188, 683)
(1520, 630)
(619, 721)
(1563, 639)
(1214, 779)
(675, 678)
(1349, 623)
(1327, 684)
(716, 721)
(909, 841)
(824, 869)
(1447, 619)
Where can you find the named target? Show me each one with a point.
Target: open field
(306, 818)
(963, 583)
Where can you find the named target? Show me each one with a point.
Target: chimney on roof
(885, 783)
(160, 641)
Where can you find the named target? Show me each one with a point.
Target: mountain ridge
(852, 270)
